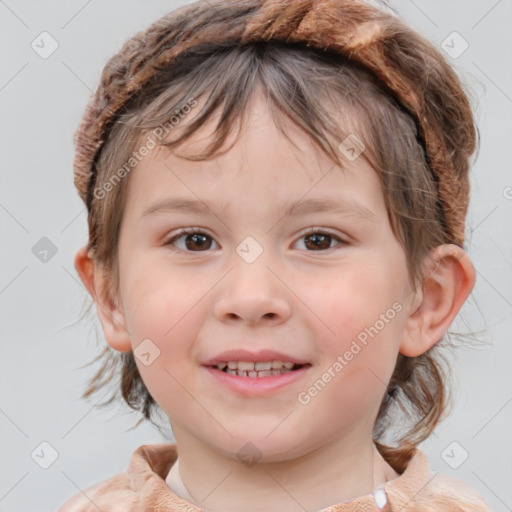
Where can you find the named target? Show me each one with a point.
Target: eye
(195, 240)
(321, 240)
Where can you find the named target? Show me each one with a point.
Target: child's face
(308, 298)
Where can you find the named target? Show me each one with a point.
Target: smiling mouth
(258, 370)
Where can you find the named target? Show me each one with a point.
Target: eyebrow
(290, 209)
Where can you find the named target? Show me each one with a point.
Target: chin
(260, 448)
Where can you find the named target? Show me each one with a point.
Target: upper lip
(250, 356)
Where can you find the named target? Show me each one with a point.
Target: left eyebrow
(295, 208)
(327, 205)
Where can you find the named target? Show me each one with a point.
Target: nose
(253, 293)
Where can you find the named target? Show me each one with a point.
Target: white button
(380, 498)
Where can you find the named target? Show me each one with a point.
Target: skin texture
(296, 298)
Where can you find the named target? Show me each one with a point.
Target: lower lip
(256, 386)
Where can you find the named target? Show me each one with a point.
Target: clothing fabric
(143, 487)
(175, 482)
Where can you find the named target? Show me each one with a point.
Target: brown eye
(195, 241)
(319, 240)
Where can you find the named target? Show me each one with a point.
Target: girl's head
(247, 108)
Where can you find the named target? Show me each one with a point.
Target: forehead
(262, 167)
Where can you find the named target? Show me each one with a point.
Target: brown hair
(329, 96)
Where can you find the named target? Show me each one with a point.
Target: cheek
(167, 310)
(357, 296)
(359, 358)
(154, 299)
(361, 314)
(165, 319)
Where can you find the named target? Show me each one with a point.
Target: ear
(112, 318)
(449, 279)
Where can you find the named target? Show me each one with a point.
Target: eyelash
(191, 231)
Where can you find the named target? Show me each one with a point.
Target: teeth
(255, 374)
(263, 366)
(255, 370)
(243, 366)
(246, 366)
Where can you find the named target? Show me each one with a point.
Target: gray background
(43, 345)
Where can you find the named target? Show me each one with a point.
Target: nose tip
(253, 298)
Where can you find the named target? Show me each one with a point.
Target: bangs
(223, 81)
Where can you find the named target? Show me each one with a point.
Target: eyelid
(327, 231)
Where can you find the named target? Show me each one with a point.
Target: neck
(331, 474)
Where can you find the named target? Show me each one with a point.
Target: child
(296, 375)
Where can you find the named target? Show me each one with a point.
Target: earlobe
(449, 279)
(110, 314)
